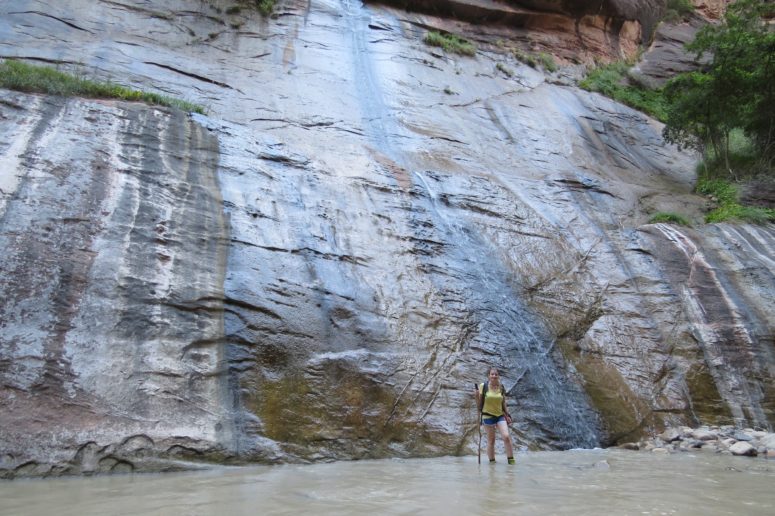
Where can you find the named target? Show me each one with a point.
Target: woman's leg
(503, 427)
(490, 441)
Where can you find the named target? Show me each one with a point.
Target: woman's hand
(508, 419)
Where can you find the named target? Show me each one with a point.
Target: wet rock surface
(321, 267)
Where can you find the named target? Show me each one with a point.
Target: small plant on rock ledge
(526, 58)
(678, 10)
(670, 218)
(542, 59)
(547, 61)
(612, 80)
(265, 7)
(503, 68)
(450, 43)
(15, 75)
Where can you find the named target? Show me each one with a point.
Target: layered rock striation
(575, 30)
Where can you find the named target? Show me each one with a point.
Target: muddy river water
(575, 482)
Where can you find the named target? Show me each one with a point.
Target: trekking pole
(479, 450)
(479, 424)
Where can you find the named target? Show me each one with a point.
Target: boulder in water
(743, 448)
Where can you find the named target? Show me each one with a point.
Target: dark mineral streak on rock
(729, 334)
(104, 239)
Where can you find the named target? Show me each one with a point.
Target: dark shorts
(493, 420)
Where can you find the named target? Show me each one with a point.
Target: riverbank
(726, 440)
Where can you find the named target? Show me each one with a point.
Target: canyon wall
(322, 266)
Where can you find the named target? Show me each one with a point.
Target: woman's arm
(506, 411)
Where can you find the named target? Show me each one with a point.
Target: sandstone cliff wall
(322, 266)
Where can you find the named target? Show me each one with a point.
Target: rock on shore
(725, 439)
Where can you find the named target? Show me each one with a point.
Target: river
(578, 482)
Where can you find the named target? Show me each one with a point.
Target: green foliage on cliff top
(611, 80)
(450, 43)
(733, 89)
(15, 75)
(725, 110)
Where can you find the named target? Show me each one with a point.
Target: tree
(734, 87)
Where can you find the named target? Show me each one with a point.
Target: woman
(492, 406)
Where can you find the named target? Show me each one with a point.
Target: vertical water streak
(507, 329)
(375, 116)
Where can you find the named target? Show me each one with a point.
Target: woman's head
(492, 374)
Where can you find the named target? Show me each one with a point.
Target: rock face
(114, 246)
(322, 266)
(574, 30)
(665, 55)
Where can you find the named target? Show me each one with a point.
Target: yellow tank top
(493, 401)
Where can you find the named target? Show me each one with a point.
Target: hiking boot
(512, 461)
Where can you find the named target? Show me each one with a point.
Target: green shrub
(611, 81)
(722, 191)
(15, 75)
(265, 7)
(526, 58)
(682, 7)
(670, 218)
(726, 195)
(505, 69)
(742, 159)
(450, 43)
(752, 214)
(732, 89)
(547, 61)
(678, 10)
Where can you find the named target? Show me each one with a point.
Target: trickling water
(473, 283)
(578, 482)
(538, 388)
(374, 114)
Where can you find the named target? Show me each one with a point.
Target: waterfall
(516, 339)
